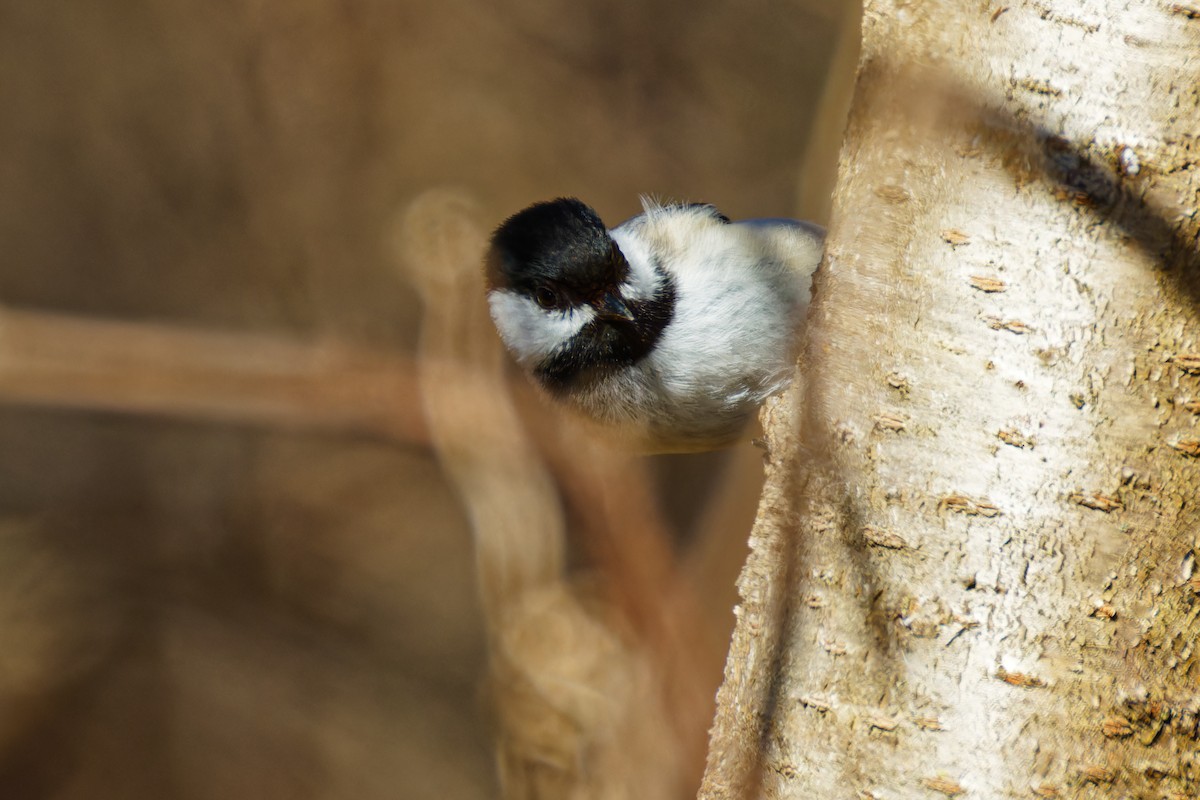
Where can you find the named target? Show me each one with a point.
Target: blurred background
(231, 562)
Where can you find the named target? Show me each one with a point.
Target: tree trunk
(973, 571)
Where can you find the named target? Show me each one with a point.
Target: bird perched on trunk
(667, 331)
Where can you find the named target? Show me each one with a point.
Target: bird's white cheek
(530, 332)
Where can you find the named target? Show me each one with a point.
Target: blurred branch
(62, 361)
(457, 399)
(625, 535)
(579, 707)
(510, 496)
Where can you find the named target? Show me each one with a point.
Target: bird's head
(557, 292)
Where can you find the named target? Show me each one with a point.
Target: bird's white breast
(741, 291)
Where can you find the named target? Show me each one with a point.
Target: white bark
(973, 567)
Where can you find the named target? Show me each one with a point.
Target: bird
(666, 333)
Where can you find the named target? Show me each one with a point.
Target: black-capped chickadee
(669, 330)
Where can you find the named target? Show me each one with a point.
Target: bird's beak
(610, 306)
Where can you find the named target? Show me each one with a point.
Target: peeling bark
(973, 570)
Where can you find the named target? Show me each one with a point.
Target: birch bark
(974, 566)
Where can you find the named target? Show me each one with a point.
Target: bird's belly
(655, 408)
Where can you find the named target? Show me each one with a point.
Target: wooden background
(229, 565)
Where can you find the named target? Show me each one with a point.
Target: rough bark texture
(974, 564)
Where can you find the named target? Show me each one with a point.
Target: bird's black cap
(560, 242)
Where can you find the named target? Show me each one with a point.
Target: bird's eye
(546, 297)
